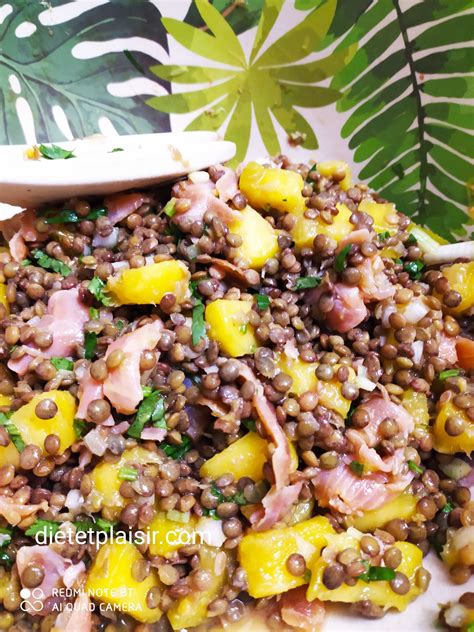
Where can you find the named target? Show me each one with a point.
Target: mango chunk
(305, 230)
(264, 555)
(459, 547)
(111, 581)
(267, 188)
(416, 404)
(442, 441)
(35, 430)
(191, 610)
(167, 536)
(147, 285)
(329, 167)
(461, 279)
(403, 507)
(229, 326)
(106, 479)
(259, 238)
(244, 457)
(3, 297)
(379, 592)
(379, 213)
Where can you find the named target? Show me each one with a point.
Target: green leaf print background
(386, 85)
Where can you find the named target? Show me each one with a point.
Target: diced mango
(229, 326)
(329, 167)
(167, 536)
(403, 507)
(111, 581)
(259, 238)
(34, 430)
(268, 188)
(3, 297)
(379, 592)
(461, 279)
(442, 441)
(379, 213)
(106, 480)
(416, 404)
(8, 455)
(264, 555)
(147, 285)
(305, 230)
(244, 457)
(191, 610)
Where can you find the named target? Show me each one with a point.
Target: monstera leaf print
(409, 121)
(240, 15)
(270, 83)
(44, 82)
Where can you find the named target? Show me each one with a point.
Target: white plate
(96, 170)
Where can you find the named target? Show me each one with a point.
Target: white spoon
(96, 169)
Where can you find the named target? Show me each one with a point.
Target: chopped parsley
(238, 498)
(5, 560)
(414, 467)
(53, 152)
(412, 240)
(13, 432)
(90, 344)
(414, 269)
(94, 313)
(250, 425)
(97, 288)
(62, 363)
(447, 508)
(210, 513)
(169, 208)
(357, 468)
(444, 375)
(198, 327)
(340, 261)
(116, 149)
(128, 474)
(81, 427)
(243, 328)
(48, 263)
(312, 170)
(263, 302)
(307, 575)
(378, 574)
(177, 451)
(306, 283)
(383, 236)
(120, 325)
(48, 528)
(151, 409)
(71, 217)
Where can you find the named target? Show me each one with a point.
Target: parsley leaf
(411, 241)
(444, 375)
(198, 327)
(80, 427)
(53, 152)
(447, 508)
(128, 474)
(47, 527)
(250, 425)
(356, 467)
(383, 236)
(169, 208)
(48, 263)
(90, 344)
(378, 574)
(96, 288)
(71, 217)
(340, 261)
(414, 467)
(5, 560)
(177, 451)
(116, 149)
(414, 269)
(94, 313)
(305, 283)
(152, 408)
(312, 170)
(62, 363)
(210, 513)
(13, 432)
(263, 302)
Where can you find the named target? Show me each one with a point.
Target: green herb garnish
(198, 327)
(97, 288)
(101, 524)
(7, 535)
(447, 508)
(80, 427)
(94, 313)
(169, 208)
(53, 152)
(357, 468)
(90, 344)
(412, 240)
(306, 283)
(414, 467)
(13, 432)
(25, 262)
(307, 575)
(238, 497)
(48, 528)
(444, 375)
(383, 236)
(250, 425)
(116, 149)
(313, 168)
(243, 328)
(5, 560)
(378, 574)
(62, 364)
(128, 474)
(71, 217)
(152, 408)
(177, 451)
(210, 513)
(263, 302)
(414, 269)
(340, 261)
(48, 263)
(120, 325)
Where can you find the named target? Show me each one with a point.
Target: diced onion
(417, 347)
(415, 311)
(106, 242)
(450, 252)
(74, 500)
(198, 177)
(178, 516)
(362, 381)
(95, 442)
(211, 531)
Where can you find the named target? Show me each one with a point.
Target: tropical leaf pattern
(40, 75)
(410, 122)
(270, 84)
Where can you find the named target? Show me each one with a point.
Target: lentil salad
(264, 358)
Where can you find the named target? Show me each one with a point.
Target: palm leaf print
(409, 120)
(270, 84)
